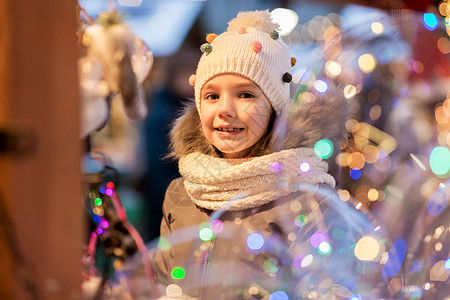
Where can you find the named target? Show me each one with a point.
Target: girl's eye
(212, 97)
(247, 95)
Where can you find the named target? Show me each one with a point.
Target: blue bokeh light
(355, 173)
(279, 295)
(255, 241)
(430, 21)
(396, 256)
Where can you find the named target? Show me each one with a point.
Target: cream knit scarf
(237, 184)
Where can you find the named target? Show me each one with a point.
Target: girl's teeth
(229, 129)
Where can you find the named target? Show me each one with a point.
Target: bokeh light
(109, 191)
(317, 238)
(307, 261)
(321, 86)
(430, 21)
(367, 249)
(300, 221)
(324, 248)
(355, 173)
(276, 166)
(287, 20)
(255, 241)
(305, 167)
(178, 273)
(333, 68)
(416, 266)
(206, 234)
(367, 63)
(279, 295)
(349, 91)
(440, 160)
(271, 265)
(396, 256)
(323, 148)
(98, 201)
(447, 264)
(377, 27)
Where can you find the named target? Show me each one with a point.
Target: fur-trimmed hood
(306, 124)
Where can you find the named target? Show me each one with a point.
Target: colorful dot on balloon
(98, 201)
(323, 148)
(355, 173)
(255, 241)
(103, 190)
(178, 273)
(305, 167)
(99, 230)
(110, 185)
(109, 192)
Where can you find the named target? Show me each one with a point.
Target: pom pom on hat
(259, 20)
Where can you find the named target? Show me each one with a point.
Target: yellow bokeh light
(370, 153)
(356, 160)
(342, 159)
(377, 27)
(352, 125)
(441, 116)
(367, 249)
(333, 68)
(344, 195)
(349, 91)
(443, 45)
(372, 195)
(375, 112)
(367, 63)
(444, 9)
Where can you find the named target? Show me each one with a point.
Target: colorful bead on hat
(251, 47)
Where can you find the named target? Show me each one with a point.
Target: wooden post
(42, 188)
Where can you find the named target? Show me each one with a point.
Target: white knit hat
(251, 48)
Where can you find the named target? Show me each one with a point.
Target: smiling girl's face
(234, 114)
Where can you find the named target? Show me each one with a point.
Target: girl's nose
(226, 107)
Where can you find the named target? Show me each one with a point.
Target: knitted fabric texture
(233, 52)
(237, 184)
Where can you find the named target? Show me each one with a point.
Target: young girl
(254, 215)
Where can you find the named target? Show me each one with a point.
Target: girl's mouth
(223, 129)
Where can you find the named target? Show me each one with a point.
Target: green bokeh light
(440, 160)
(271, 266)
(323, 148)
(178, 273)
(324, 248)
(98, 201)
(206, 234)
